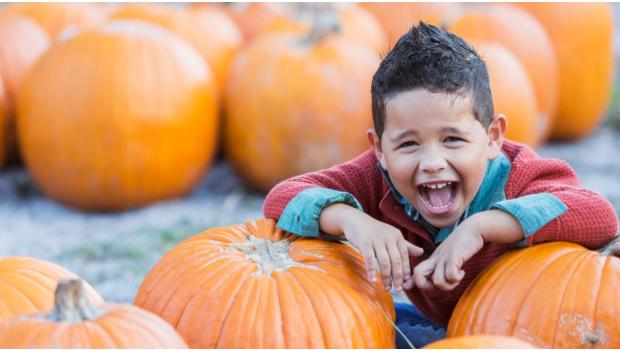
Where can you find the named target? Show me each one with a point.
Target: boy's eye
(453, 139)
(407, 144)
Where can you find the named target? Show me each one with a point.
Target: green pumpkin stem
(71, 303)
(325, 21)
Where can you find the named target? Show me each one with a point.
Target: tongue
(440, 197)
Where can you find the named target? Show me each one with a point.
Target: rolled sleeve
(533, 212)
(301, 214)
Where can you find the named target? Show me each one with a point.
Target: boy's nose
(432, 161)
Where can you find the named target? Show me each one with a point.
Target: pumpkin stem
(71, 304)
(324, 21)
(611, 249)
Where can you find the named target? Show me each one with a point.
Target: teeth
(437, 185)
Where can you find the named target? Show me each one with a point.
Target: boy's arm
(297, 202)
(550, 205)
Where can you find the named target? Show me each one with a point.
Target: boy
(440, 194)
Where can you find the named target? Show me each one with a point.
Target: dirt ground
(115, 251)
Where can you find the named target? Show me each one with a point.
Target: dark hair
(434, 59)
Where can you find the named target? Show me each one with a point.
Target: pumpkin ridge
(518, 262)
(8, 310)
(177, 278)
(250, 287)
(606, 264)
(581, 258)
(326, 298)
(532, 284)
(311, 302)
(228, 311)
(212, 274)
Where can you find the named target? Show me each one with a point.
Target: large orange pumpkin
(77, 323)
(297, 104)
(527, 39)
(582, 36)
(251, 17)
(256, 286)
(513, 92)
(118, 117)
(558, 295)
(480, 341)
(54, 17)
(209, 30)
(354, 22)
(27, 286)
(22, 42)
(397, 17)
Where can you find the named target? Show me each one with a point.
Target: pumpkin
(54, 17)
(250, 17)
(210, 31)
(27, 285)
(553, 295)
(118, 117)
(512, 90)
(77, 323)
(297, 104)
(253, 286)
(397, 17)
(22, 42)
(527, 39)
(480, 341)
(582, 37)
(354, 22)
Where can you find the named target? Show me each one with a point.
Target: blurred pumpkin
(77, 323)
(210, 31)
(512, 90)
(22, 42)
(27, 285)
(582, 35)
(251, 17)
(118, 117)
(553, 295)
(254, 286)
(480, 341)
(397, 17)
(54, 17)
(527, 39)
(297, 104)
(354, 22)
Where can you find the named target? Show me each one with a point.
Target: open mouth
(438, 197)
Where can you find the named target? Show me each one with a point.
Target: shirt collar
(491, 191)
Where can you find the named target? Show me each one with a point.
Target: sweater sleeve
(579, 215)
(357, 181)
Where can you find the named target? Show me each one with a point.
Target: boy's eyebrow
(407, 133)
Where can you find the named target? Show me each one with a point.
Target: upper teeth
(437, 185)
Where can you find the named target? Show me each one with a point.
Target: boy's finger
(404, 255)
(453, 274)
(422, 273)
(408, 284)
(384, 265)
(396, 262)
(439, 276)
(369, 261)
(414, 251)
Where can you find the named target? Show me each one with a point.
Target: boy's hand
(443, 268)
(383, 243)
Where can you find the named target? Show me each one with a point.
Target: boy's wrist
(497, 226)
(338, 218)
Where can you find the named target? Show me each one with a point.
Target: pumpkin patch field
(138, 143)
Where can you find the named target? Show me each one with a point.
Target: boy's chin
(439, 221)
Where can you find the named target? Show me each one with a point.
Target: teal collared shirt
(301, 215)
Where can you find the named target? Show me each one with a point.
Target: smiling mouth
(439, 197)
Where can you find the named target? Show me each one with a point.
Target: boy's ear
(496, 132)
(375, 143)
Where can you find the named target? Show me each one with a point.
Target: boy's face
(436, 152)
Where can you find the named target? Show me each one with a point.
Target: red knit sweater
(590, 219)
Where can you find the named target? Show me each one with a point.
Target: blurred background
(126, 128)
